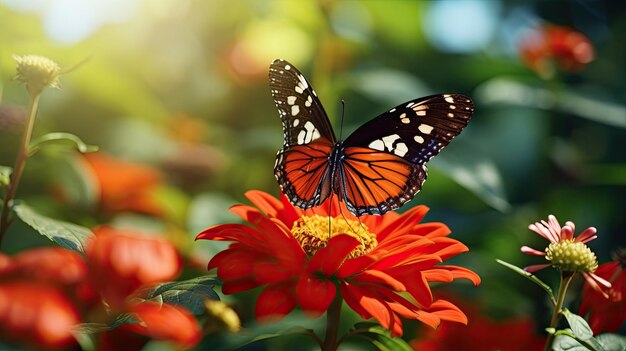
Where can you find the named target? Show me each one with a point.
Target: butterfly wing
(302, 167)
(385, 159)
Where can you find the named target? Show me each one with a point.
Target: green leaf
(190, 294)
(612, 341)
(379, 337)
(67, 235)
(578, 324)
(580, 103)
(5, 175)
(566, 341)
(474, 172)
(62, 139)
(533, 278)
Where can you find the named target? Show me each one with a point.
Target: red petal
(328, 259)
(275, 302)
(233, 232)
(461, 273)
(356, 265)
(264, 202)
(410, 217)
(268, 272)
(536, 267)
(166, 322)
(447, 311)
(315, 295)
(380, 278)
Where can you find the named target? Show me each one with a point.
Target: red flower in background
(568, 49)
(482, 334)
(124, 185)
(122, 261)
(607, 314)
(44, 292)
(381, 265)
(40, 292)
(37, 314)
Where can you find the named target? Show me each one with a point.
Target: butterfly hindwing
(385, 159)
(301, 168)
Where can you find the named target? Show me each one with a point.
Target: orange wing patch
(376, 182)
(304, 168)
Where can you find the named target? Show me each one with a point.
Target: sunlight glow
(70, 21)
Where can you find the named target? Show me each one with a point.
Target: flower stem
(18, 167)
(566, 278)
(332, 324)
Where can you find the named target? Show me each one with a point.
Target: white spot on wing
(418, 139)
(452, 107)
(298, 89)
(295, 109)
(308, 101)
(296, 122)
(451, 115)
(377, 145)
(301, 137)
(389, 139)
(401, 149)
(392, 110)
(449, 99)
(287, 67)
(291, 100)
(420, 112)
(425, 128)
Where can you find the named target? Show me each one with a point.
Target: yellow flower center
(313, 233)
(37, 72)
(572, 256)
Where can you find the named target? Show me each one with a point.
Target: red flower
(482, 334)
(121, 261)
(123, 185)
(303, 258)
(569, 49)
(607, 314)
(36, 314)
(154, 321)
(46, 264)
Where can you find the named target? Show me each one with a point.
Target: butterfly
(379, 167)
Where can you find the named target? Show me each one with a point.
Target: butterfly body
(379, 167)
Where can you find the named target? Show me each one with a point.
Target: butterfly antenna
(343, 110)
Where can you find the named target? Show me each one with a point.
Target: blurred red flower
(122, 261)
(607, 314)
(304, 257)
(36, 314)
(568, 49)
(165, 322)
(482, 334)
(124, 185)
(39, 293)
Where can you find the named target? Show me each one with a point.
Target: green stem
(333, 316)
(18, 168)
(566, 278)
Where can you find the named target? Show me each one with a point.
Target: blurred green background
(182, 85)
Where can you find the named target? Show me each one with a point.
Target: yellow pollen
(571, 256)
(313, 233)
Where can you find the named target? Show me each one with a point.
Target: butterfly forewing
(302, 164)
